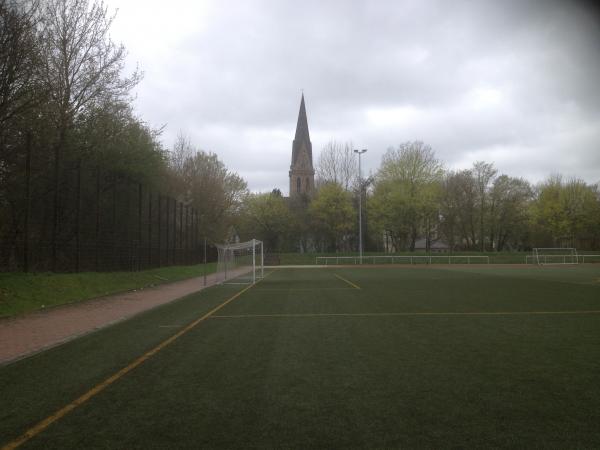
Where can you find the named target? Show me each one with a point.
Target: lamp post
(360, 246)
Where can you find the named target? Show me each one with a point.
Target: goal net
(543, 256)
(240, 263)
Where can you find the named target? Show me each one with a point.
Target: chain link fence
(88, 219)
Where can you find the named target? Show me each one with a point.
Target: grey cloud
(234, 84)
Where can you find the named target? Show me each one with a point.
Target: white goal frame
(555, 255)
(240, 263)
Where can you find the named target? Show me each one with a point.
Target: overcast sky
(516, 83)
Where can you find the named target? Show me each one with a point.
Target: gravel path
(24, 335)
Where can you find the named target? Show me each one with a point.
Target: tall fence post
(78, 220)
(129, 233)
(193, 236)
(97, 230)
(196, 252)
(114, 225)
(181, 258)
(55, 206)
(27, 203)
(149, 240)
(187, 234)
(139, 239)
(159, 230)
(168, 227)
(175, 231)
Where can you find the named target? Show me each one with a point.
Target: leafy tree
(566, 213)
(388, 212)
(332, 216)
(113, 139)
(406, 191)
(204, 183)
(510, 200)
(483, 174)
(268, 218)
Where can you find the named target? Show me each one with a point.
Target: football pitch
(372, 357)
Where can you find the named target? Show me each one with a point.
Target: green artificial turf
(25, 292)
(305, 360)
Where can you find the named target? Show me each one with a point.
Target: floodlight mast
(360, 245)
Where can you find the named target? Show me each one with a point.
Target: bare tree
(337, 164)
(19, 59)
(182, 150)
(83, 66)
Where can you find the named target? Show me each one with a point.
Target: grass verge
(25, 292)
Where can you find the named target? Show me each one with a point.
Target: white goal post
(546, 256)
(240, 263)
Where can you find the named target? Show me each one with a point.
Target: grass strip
(25, 292)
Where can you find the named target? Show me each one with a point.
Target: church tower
(302, 174)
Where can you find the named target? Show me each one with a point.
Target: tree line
(412, 198)
(74, 156)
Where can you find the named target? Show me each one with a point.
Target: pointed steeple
(301, 169)
(302, 135)
(302, 125)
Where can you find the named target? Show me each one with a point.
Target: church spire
(302, 125)
(302, 174)
(302, 134)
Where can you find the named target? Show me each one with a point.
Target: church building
(302, 174)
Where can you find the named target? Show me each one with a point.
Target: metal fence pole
(27, 204)
(159, 230)
(180, 233)
(97, 230)
(167, 230)
(187, 234)
(149, 240)
(78, 219)
(139, 246)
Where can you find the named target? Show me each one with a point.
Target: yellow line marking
(499, 313)
(347, 281)
(305, 289)
(41, 426)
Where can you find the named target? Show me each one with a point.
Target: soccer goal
(545, 256)
(241, 263)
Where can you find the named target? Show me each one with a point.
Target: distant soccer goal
(547, 256)
(241, 263)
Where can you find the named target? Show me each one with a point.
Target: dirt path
(31, 333)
